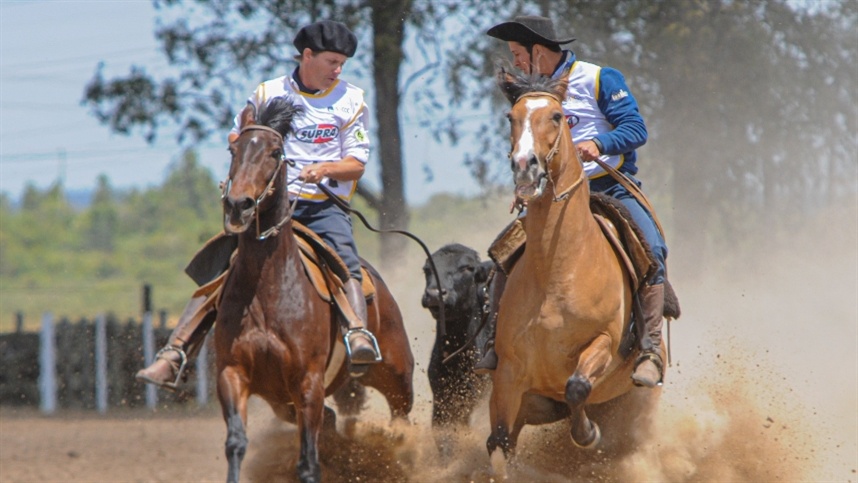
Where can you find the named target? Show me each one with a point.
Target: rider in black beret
(326, 35)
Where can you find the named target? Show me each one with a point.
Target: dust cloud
(763, 386)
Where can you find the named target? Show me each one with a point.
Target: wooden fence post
(47, 366)
(148, 357)
(203, 375)
(101, 364)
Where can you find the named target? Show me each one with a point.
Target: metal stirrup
(182, 356)
(371, 338)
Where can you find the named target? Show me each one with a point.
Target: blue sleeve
(620, 109)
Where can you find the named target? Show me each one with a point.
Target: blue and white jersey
(600, 106)
(333, 126)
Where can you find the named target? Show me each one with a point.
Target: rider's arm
(621, 110)
(354, 143)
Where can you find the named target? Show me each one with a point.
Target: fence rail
(90, 365)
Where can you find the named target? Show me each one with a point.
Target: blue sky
(49, 50)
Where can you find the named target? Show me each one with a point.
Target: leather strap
(633, 189)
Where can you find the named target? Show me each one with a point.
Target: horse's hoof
(597, 437)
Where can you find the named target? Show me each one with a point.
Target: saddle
(617, 225)
(323, 267)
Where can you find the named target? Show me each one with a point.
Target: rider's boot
(489, 362)
(362, 344)
(184, 343)
(649, 367)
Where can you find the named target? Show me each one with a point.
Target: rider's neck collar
(301, 86)
(565, 64)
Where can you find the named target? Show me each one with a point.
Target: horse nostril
(533, 161)
(242, 204)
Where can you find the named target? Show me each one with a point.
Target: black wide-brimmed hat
(528, 29)
(326, 35)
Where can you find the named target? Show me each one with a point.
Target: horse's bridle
(269, 188)
(555, 148)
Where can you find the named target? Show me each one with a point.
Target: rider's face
(520, 56)
(321, 69)
(534, 62)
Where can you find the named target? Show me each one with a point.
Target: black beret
(326, 35)
(528, 29)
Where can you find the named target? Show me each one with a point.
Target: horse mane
(515, 85)
(278, 114)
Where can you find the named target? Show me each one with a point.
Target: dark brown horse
(275, 336)
(565, 311)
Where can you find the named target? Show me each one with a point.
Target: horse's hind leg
(393, 381)
(232, 393)
(591, 364)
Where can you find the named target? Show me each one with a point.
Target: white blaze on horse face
(525, 147)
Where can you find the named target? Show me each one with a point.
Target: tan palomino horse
(565, 312)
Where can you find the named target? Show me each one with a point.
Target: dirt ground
(763, 386)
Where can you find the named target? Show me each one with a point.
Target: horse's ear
(508, 85)
(248, 116)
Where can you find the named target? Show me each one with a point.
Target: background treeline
(81, 260)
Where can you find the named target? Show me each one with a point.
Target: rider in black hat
(330, 147)
(606, 124)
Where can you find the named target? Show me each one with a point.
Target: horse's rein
(442, 326)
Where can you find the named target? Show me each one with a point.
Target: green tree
(224, 47)
(102, 217)
(749, 104)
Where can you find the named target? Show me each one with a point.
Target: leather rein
(275, 230)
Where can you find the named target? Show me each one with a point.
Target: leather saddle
(323, 267)
(617, 225)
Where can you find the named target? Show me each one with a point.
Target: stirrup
(656, 359)
(371, 338)
(184, 362)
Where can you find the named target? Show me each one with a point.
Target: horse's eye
(557, 117)
(467, 268)
(277, 154)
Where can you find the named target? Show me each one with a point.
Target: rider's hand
(518, 204)
(587, 150)
(312, 173)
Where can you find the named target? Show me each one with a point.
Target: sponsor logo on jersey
(359, 135)
(572, 120)
(620, 94)
(317, 134)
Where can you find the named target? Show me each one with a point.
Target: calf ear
(483, 271)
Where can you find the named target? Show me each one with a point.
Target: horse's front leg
(232, 393)
(591, 364)
(311, 409)
(504, 405)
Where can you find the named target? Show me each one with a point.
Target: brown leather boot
(361, 344)
(649, 368)
(184, 343)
